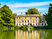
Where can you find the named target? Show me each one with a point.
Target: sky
(18, 6)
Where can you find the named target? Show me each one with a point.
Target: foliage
(24, 27)
(0, 3)
(14, 17)
(5, 28)
(32, 28)
(43, 27)
(17, 27)
(32, 11)
(49, 15)
(6, 16)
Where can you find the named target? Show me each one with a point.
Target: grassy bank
(24, 27)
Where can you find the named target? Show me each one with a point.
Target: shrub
(24, 27)
(5, 28)
(32, 28)
(17, 27)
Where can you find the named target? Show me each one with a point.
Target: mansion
(31, 20)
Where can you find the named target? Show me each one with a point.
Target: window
(39, 17)
(22, 24)
(36, 17)
(36, 21)
(33, 21)
(28, 20)
(28, 23)
(22, 21)
(30, 17)
(33, 17)
(25, 20)
(25, 17)
(17, 23)
(42, 21)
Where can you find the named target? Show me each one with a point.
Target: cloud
(18, 11)
(17, 7)
(33, 4)
(43, 10)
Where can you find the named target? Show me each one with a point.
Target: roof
(28, 15)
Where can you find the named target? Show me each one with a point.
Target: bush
(24, 27)
(12, 28)
(32, 28)
(5, 28)
(17, 27)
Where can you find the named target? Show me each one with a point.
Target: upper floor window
(39, 17)
(25, 17)
(36, 17)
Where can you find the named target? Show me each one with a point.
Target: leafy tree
(0, 4)
(49, 15)
(14, 17)
(24, 27)
(6, 16)
(32, 11)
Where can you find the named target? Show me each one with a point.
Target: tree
(14, 16)
(32, 11)
(0, 4)
(6, 16)
(49, 15)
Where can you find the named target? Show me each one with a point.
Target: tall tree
(0, 4)
(32, 11)
(49, 15)
(14, 17)
(6, 16)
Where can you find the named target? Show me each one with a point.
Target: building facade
(31, 20)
